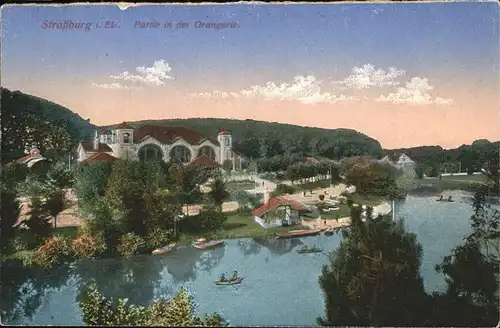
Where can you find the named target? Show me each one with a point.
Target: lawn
(69, 232)
(241, 225)
(463, 182)
(369, 200)
(464, 178)
(240, 185)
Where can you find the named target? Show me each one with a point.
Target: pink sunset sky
(390, 78)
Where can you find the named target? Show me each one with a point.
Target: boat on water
(445, 200)
(306, 249)
(204, 244)
(298, 233)
(164, 250)
(229, 282)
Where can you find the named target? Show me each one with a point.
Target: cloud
(305, 89)
(367, 76)
(114, 86)
(416, 92)
(154, 75)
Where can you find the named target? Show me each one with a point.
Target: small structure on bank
(278, 211)
(34, 161)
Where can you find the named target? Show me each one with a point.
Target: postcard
(332, 164)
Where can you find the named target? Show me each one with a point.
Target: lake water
(280, 287)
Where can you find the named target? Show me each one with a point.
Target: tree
(178, 311)
(10, 209)
(218, 192)
(91, 181)
(374, 277)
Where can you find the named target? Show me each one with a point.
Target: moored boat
(298, 233)
(329, 232)
(307, 249)
(164, 250)
(229, 282)
(203, 244)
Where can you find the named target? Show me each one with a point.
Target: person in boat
(223, 277)
(235, 275)
(449, 198)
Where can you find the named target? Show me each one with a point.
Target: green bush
(158, 237)
(285, 189)
(178, 311)
(131, 244)
(54, 251)
(86, 246)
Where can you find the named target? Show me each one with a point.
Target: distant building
(149, 142)
(405, 162)
(35, 161)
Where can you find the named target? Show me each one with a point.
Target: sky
(406, 74)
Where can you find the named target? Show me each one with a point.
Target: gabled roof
(312, 160)
(88, 146)
(204, 160)
(168, 134)
(124, 125)
(99, 157)
(278, 201)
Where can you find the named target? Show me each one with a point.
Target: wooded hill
(258, 139)
(27, 120)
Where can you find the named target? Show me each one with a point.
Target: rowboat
(229, 282)
(298, 233)
(445, 200)
(203, 244)
(164, 250)
(306, 249)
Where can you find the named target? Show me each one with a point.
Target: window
(181, 154)
(150, 152)
(126, 138)
(226, 141)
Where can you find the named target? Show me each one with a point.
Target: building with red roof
(278, 211)
(167, 143)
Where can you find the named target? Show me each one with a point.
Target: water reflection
(249, 247)
(35, 295)
(22, 290)
(278, 247)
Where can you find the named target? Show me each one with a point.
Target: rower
(235, 275)
(222, 277)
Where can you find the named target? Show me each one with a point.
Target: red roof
(205, 161)
(277, 201)
(168, 134)
(99, 157)
(124, 125)
(33, 153)
(223, 131)
(312, 160)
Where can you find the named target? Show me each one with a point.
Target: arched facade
(181, 154)
(150, 152)
(207, 151)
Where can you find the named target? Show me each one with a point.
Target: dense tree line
(466, 158)
(258, 139)
(28, 120)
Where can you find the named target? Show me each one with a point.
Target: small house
(278, 211)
